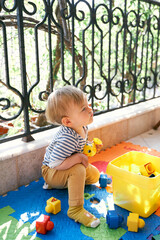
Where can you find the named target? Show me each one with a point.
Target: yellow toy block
(134, 222)
(53, 205)
(147, 169)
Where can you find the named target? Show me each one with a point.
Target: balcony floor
(150, 139)
(28, 202)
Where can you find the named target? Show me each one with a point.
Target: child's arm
(73, 160)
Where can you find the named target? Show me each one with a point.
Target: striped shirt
(64, 144)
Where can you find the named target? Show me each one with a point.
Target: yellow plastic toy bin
(132, 190)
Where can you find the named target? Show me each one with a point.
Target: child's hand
(85, 160)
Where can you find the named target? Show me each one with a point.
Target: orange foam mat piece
(111, 153)
(158, 212)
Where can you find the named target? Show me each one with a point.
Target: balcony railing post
(23, 70)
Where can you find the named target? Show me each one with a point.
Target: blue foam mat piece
(29, 203)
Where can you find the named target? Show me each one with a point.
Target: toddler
(64, 165)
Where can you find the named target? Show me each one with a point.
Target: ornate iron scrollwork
(113, 51)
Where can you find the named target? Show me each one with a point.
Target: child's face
(80, 115)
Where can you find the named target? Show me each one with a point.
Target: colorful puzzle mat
(20, 209)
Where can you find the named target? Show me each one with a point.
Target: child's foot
(46, 186)
(79, 214)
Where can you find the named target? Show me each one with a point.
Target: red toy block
(43, 224)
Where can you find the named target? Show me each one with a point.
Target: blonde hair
(59, 100)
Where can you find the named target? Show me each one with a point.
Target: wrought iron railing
(110, 49)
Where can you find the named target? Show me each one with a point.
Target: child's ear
(66, 121)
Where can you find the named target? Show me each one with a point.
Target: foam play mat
(20, 209)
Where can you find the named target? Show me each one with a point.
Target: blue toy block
(113, 219)
(104, 180)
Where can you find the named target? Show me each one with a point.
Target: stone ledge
(125, 113)
(18, 147)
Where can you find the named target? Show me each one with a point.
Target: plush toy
(91, 148)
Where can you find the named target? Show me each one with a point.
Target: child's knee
(79, 170)
(92, 175)
(97, 175)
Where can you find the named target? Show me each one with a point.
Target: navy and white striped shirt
(64, 144)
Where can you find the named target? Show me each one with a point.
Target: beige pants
(73, 178)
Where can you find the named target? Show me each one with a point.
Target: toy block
(104, 180)
(43, 224)
(113, 219)
(53, 205)
(134, 222)
(147, 169)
